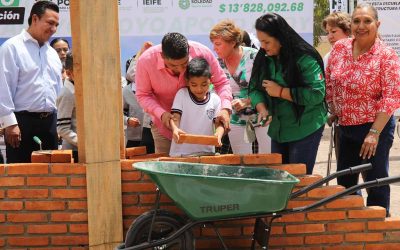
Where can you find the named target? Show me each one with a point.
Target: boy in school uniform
(194, 110)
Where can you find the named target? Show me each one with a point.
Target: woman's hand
(273, 89)
(332, 119)
(263, 116)
(133, 122)
(240, 103)
(369, 146)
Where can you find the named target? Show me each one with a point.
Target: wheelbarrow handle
(351, 170)
(369, 184)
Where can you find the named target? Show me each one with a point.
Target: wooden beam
(95, 41)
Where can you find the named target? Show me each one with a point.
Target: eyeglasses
(62, 49)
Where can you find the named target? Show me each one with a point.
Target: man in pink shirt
(159, 76)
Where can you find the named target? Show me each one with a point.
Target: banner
(149, 20)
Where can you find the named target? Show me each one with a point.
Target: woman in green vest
(288, 91)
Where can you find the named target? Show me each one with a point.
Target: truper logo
(10, 13)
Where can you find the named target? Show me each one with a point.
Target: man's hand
(133, 122)
(165, 119)
(13, 135)
(240, 103)
(224, 118)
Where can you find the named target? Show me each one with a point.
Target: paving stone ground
(394, 169)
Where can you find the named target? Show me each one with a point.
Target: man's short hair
(40, 7)
(175, 46)
(69, 61)
(198, 67)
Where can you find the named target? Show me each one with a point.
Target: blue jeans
(301, 151)
(350, 140)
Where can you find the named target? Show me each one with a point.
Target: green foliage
(321, 9)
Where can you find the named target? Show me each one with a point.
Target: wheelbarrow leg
(262, 231)
(219, 236)
(157, 206)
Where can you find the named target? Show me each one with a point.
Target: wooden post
(95, 41)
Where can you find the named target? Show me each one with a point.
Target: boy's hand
(176, 133)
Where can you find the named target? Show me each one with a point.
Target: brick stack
(43, 206)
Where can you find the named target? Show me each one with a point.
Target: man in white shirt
(30, 80)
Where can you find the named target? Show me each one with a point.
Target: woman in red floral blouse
(363, 90)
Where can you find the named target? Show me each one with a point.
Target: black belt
(40, 115)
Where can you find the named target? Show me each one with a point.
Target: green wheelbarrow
(210, 193)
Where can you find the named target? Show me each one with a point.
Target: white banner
(149, 20)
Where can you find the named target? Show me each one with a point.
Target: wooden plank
(95, 42)
(104, 203)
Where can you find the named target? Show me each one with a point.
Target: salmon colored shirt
(358, 89)
(156, 86)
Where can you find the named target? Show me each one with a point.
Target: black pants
(147, 140)
(30, 125)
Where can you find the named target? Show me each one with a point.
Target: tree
(321, 9)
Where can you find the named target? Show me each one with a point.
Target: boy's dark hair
(198, 67)
(40, 7)
(174, 46)
(69, 61)
(56, 40)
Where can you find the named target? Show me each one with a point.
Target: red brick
(383, 246)
(138, 187)
(29, 217)
(61, 156)
(326, 215)
(307, 180)
(45, 205)
(28, 169)
(260, 159)
(195, 159)
(387, 224)
(129, 152)
(78, 182)
(53, 248)
(148, 157)
(135, 210)
(131, 176)
(350, 201)
(305, 228)
(10, 205)
(325, 239)
(68, 169)
(11, 229)
(126, 165)
(346, 227)
(11, 181)
(363, 237)
(392, 235)
(40, 157)
(79, 228)
(300, 203)
(324, 191)
(298, 217)
(47, 229)
(227, 231)
(130, 199)
(294, 169)
(286, 241)
(69, 240)
(28, 241)
(347, 247)
(2, 242)
(228, 159)
(47, 181)
(77, 205)
(367, 212)
(151, 198)
(75, 217)
(28, 193)
(2, 218)
(198, 139)
(69, 193)
(2, 194)
(2, 169)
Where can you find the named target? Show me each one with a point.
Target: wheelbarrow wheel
(165, 224)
